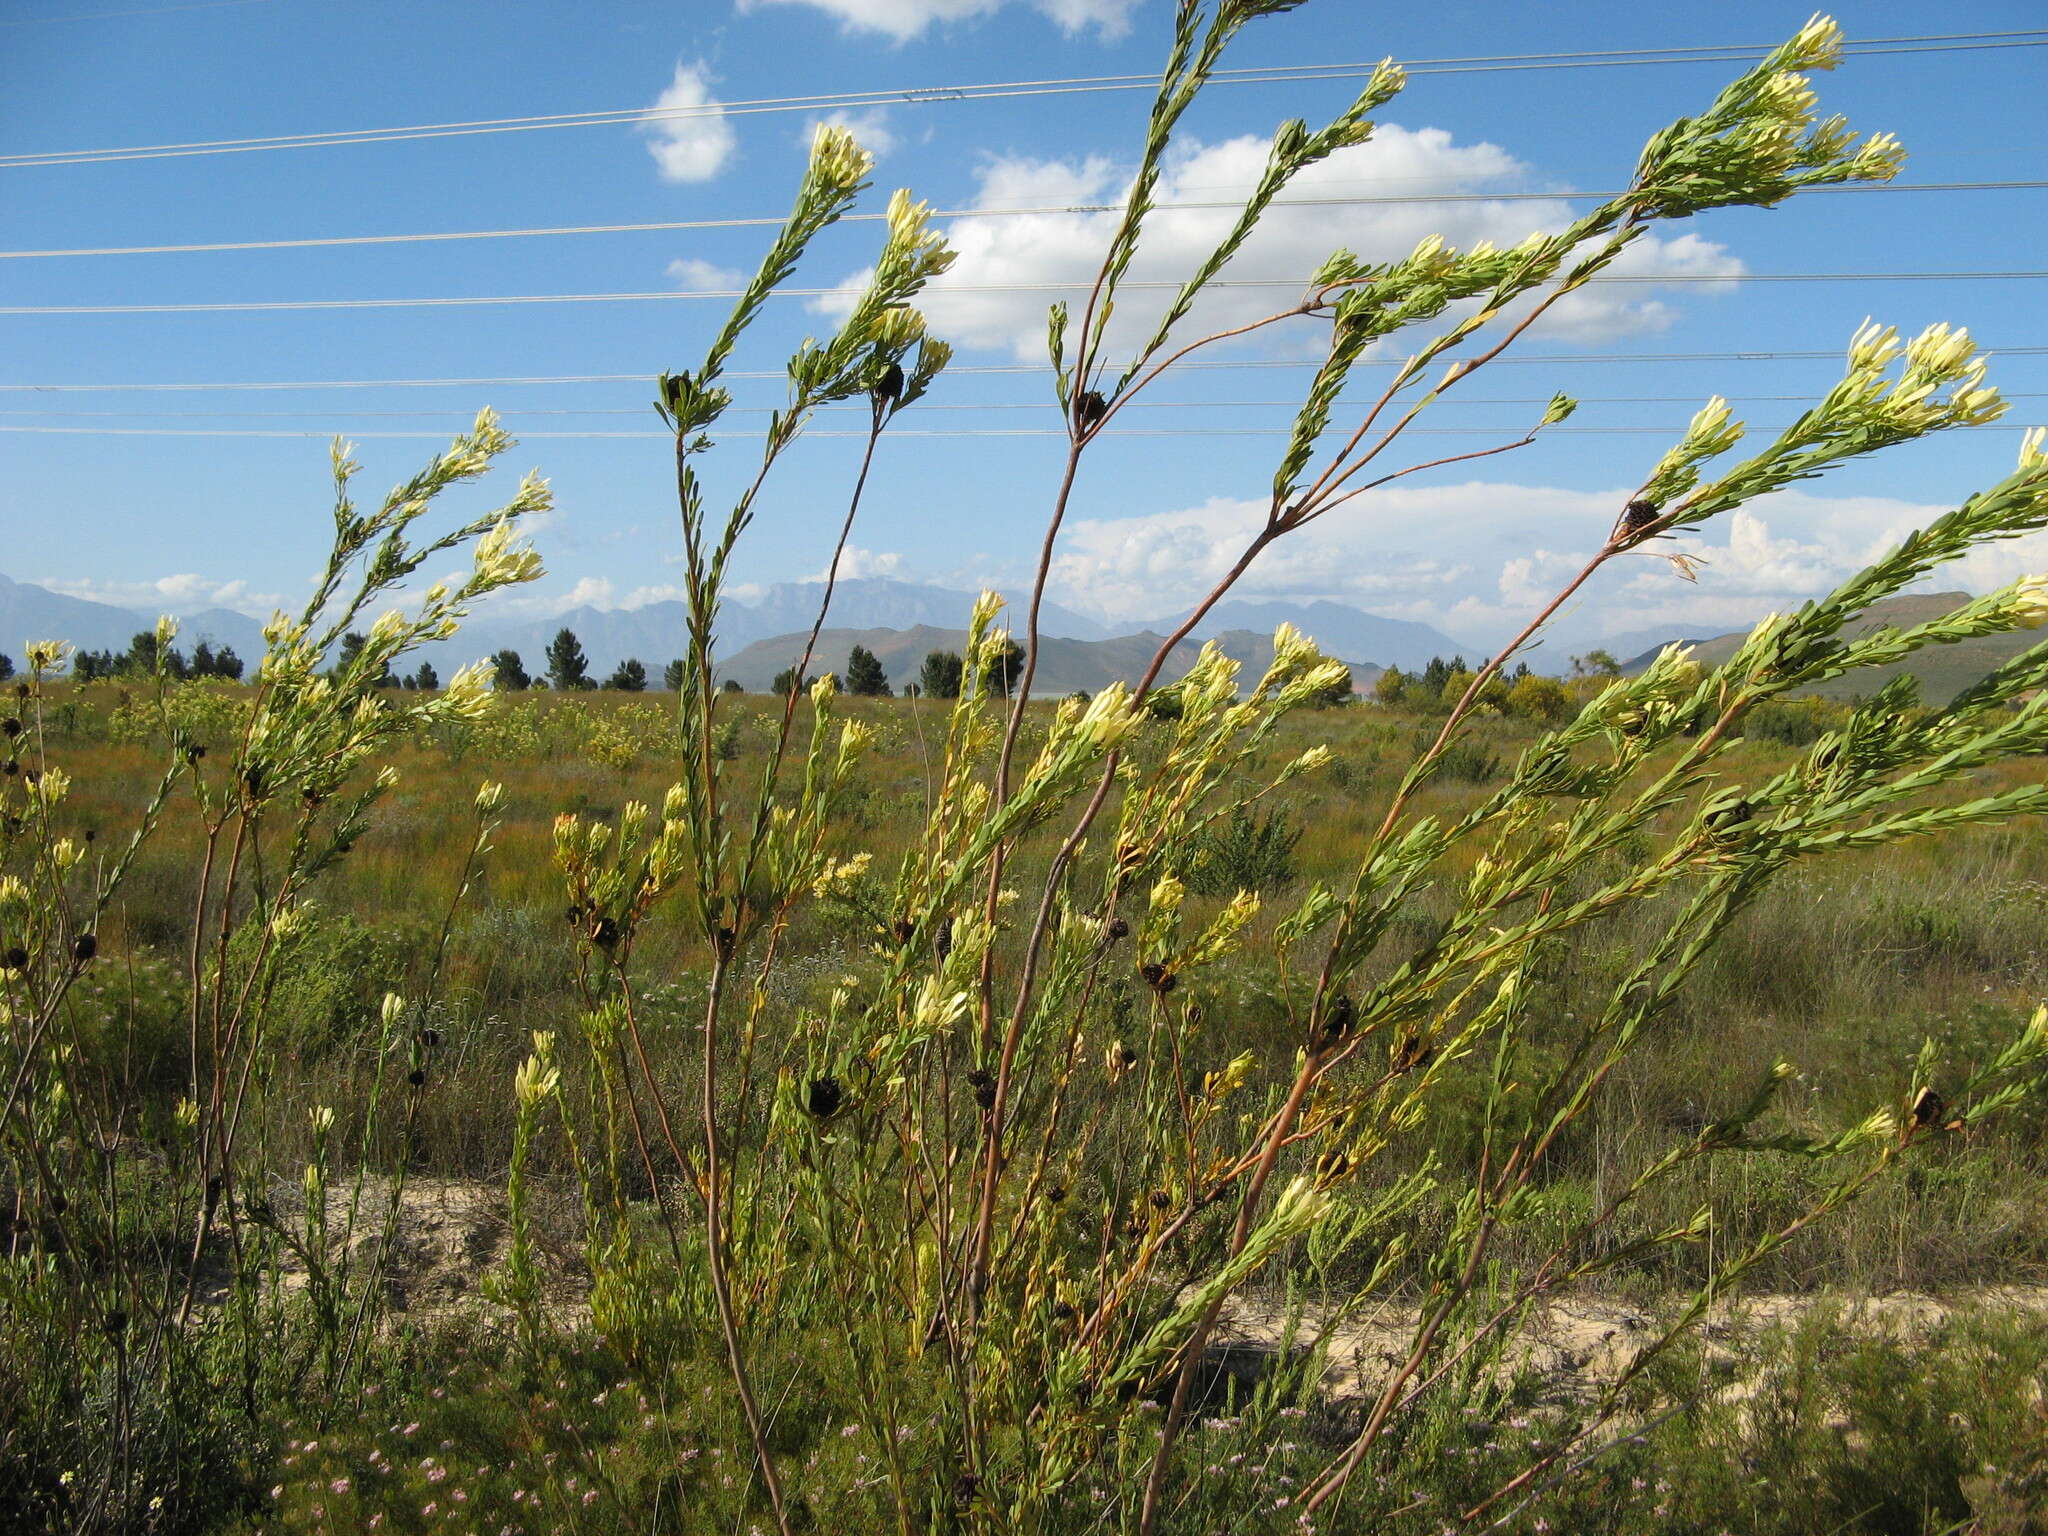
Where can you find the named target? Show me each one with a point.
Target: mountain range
(29, 612)
(901, 621)
(873, 611)
(1944, 670)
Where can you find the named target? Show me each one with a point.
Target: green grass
(1840, 967)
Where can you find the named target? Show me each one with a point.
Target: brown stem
(1191, 1352)
(715, 1251)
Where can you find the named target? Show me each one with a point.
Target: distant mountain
(862, 605)
(1337, 629)
(29, 612)
(877, 603)
(655, 633)
(1943, 670)
(1063, 664)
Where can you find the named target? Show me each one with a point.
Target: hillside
(1943, 670)
(29, 612)
(1338, 628)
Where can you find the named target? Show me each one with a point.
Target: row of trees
(1441, 685)
(142, 655)
(568, 670)
(941, 677)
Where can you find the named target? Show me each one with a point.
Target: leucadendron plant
(987, 1176)
(1005, 1179)
(144, 1255)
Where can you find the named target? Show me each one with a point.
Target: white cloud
(695, 144)
(1480, 559)
(870, 130)
(641, 597)
(1037, 249)
(905, 19)
(1151, 565)
(855, 563)
(588, 591)
(182, 593)
(1112, 18)
(691, 275)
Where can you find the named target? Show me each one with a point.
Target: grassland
(1844, 970)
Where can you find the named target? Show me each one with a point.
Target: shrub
(1248, 852)
(981, 1188)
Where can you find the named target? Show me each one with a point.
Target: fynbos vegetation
(908, 1164)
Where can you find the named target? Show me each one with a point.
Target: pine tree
(864, 674)
(142, 657)
(509, 672)
(1342, 691)
(568, 667)
(674, 675)
(786, 682)
(628, 677)
(1000, 671)
(426, 679)
(940, 676)
(352, 645)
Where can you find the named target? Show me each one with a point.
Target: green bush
(1247, 852)
(326, 980)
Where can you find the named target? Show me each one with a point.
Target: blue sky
(170, 521)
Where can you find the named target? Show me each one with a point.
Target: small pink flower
(590, 1497)
(339, 1485)
(436, 1474)
(277, 1492)
(428, 1509)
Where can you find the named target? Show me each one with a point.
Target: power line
(516, 412)
(1828, 354)
(1072, 85)
(472, 301)
(775, 221)
(978, 432)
